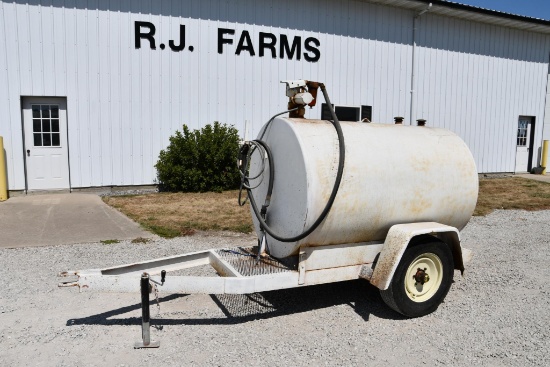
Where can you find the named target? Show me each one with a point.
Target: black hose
(244, 156)
(271, 178)
(330, 202)
(273, 118)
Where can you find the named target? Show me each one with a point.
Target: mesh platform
(243, 259)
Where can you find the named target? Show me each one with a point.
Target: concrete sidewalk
(59, 219)
(543, 178)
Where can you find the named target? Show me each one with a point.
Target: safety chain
(156, 289)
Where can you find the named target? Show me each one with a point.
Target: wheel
(422, 279)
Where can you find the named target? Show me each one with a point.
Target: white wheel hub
(423, 277)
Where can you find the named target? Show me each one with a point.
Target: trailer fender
(397, 241)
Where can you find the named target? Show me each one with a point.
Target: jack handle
(162, 278)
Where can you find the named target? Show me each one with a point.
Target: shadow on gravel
(357, 294)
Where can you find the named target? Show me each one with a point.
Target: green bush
(199, 161)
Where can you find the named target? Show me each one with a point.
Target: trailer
(318, 224)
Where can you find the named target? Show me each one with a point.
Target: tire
(412, 294)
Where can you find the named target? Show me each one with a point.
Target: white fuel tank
(393, 174)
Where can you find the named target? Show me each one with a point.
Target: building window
(45, 125)
(346, 113)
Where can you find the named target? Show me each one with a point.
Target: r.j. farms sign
(228, 41)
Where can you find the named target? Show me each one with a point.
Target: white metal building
(90, 91)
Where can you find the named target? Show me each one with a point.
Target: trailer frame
(242, 272)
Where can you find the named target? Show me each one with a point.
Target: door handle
(28, 152)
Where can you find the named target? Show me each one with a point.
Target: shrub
(199, 161)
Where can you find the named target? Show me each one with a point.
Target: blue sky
(530, 8)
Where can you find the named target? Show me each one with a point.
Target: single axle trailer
(423, 278)
(331, 202)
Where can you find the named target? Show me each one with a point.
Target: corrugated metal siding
(476, 80)
(546, 128)
(124, 103)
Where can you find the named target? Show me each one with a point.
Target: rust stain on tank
(419, 204)
(422, 164)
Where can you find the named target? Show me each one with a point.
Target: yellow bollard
(544, 160)
(3, 175)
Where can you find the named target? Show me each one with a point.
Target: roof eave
(472, 13)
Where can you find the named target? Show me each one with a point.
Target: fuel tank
(392, 174)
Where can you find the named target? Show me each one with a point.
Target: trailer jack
(145, 288)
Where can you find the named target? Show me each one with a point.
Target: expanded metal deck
(243, 259)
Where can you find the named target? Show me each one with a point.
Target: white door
(46, 153)
(523, 144)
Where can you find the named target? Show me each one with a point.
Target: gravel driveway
(497, 315)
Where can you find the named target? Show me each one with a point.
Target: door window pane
(55, 111)
(47, 140)
(55, 140)
(45, 111)
(36, 126)
(37, 140)
(55, 125)
(46, 125)
(35, 111)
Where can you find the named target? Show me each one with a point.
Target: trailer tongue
(239, 269)
(393, 221)
(240, 272)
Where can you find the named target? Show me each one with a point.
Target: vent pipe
(413, 66)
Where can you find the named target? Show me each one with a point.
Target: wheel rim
(419, 288)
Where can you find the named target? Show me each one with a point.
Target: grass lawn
(512, 193)
(179, 214)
